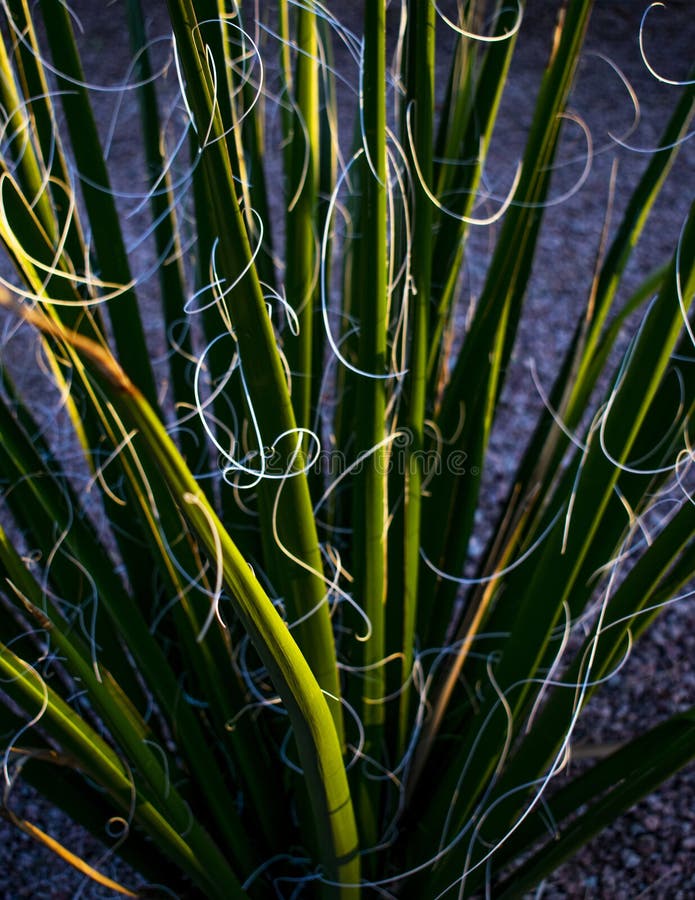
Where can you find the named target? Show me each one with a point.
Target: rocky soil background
(650, 851)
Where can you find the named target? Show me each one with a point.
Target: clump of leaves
(256, 654)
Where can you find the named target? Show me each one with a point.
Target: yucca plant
(243, 623)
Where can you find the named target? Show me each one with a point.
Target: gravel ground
(649, 852)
